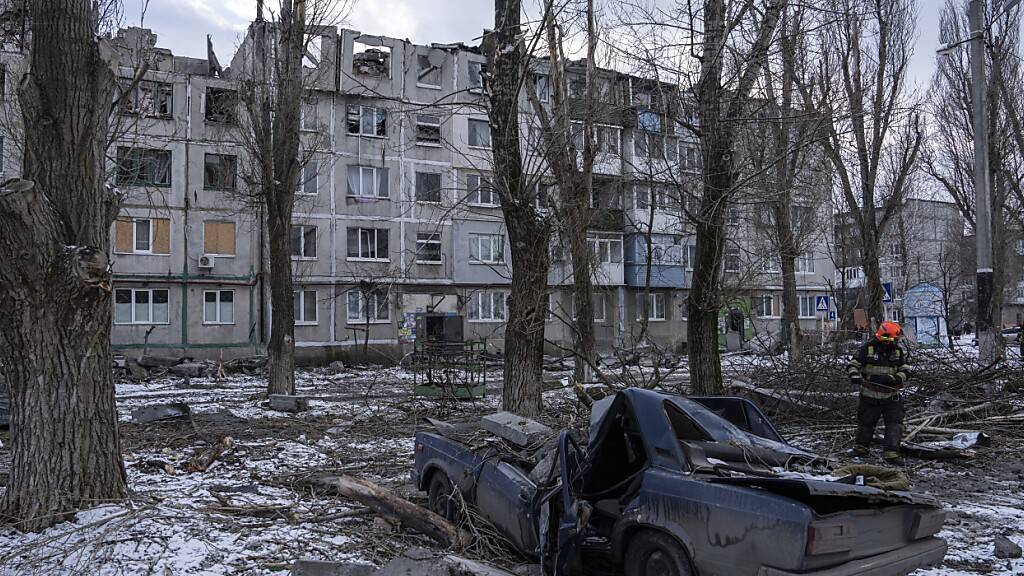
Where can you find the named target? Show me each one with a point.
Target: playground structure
(444, 365)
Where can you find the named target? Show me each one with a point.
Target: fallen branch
(389, 505)
(200, 462)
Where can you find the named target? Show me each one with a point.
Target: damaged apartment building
(394, 212)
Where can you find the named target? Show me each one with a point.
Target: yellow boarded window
(218, 237)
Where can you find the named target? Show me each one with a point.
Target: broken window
(428, 129)
(140, 306)
(428, 247)
(304, 242)
(143, 167)
(221, 105)
(305, 307)
(375, 302)
(368, 182)
(479, 133)
(148, 98)
(313, 50)
(367, 120)
(219, 172)
(219, 307)
(307, 179)
(428, 187)
(428, 70)
(481, 192)
(219, 238)
(477, 71)
(543, 86)
(371, 60)
(368, 244)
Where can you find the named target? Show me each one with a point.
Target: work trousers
(869, 410)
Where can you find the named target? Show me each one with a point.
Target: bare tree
(872, 130)
(273, 84)
(55, 289)
(739, 39)
(528, 232)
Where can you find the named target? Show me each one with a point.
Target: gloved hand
(886, 380)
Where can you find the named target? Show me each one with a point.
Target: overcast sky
(182, 25)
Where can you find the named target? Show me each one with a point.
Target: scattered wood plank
(389, 505)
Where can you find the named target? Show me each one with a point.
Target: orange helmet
(889, 332)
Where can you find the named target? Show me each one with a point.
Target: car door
(574, 511)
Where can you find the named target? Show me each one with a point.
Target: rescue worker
(880, 369)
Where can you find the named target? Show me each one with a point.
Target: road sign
(821, 303)
(832, 315)
(886, 291)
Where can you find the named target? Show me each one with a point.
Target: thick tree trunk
(527, 233)
(791, 307)
(281, 349)
(279, 190)
(582, 282)
(55, 305)
(872, 289)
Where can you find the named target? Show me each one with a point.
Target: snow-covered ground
(246, 514)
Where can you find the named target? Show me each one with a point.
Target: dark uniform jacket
(874, 363)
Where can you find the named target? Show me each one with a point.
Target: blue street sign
(886, 291)
(832, 315)
(821, 303)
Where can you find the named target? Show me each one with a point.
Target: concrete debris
(516, 429)
(1006, 548)
(190, 369)
(135, 370)
(289, 403)
(322, 568)
(158, 361)
(336, 367)
(157, 412)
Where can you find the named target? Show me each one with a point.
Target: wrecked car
(674, 486)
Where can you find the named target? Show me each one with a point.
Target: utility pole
(982, 196)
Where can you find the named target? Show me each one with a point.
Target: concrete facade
(393, 215)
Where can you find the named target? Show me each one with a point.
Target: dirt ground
(246, 514)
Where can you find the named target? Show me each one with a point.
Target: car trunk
(852, 522)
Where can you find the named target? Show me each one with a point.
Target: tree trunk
(791, 305)
(55, 305)
(872, 289)
(279, 190)
(528, 234)
(281, 349)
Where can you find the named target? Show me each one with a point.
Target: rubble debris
(389, 505)
(157, 412)
(160, 361)
(202, 461)
(323, 568)
(250, 365)
(336, 367)
(135, 370)
(516, 429)
(189, 369)
(288, 403)
(1006, 548)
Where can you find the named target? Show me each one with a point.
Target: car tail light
(830, 538)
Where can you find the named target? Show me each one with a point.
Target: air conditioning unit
(206, 262)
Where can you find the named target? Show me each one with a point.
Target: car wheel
(440, 497)
(656, 554)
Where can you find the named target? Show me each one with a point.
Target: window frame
(218, 302)
(470, 122)
(218, 254)
(159, 89)
(654, 309)
(234, 171)
(299, 296)
(230, 116)
(304, 179)
(475, 239)
(727, 255)
(599, 296)
(379, 113)
(473, 194)
(596, 241)
(416, 182)
(809, 299)
(759, 305)
(376, 244)
(420, 71)
(376, 172)
(140, 156)
(429, 142)
(476, 298)
(433, 238)
(151, 306)
(363, 304)
(302, 235)
(481, 70)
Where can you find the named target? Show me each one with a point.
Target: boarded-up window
(219, 238)
(142, 235)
